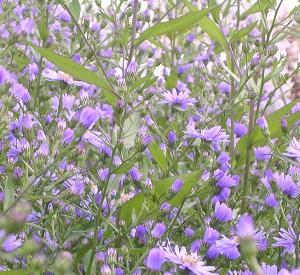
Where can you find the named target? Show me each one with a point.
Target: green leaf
(130, 129)
(136, 208)
(178, 24)
(208, 25)
(75, 9)
(124, 167)
(9, 193)
(189, 180)
(158, 156)
(77, 71)
(258, 139)
(259, 6)
(242, 33)
(141, 207)
(171, 80)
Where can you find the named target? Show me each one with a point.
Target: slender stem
(134, 17)
(248, 157)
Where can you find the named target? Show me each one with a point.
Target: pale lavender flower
(287, 240)
(61, 76)
(187, 260)
(245, 227)
(180, 99)
(293, 150)
(262, 123)
(11, 243)
(214, 134)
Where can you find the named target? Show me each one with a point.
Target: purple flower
(271, 201)
(222, 212)
(240, 129)
(172, 137)
(262, 123)
(20, 92)
(11, 242)
(103, 174)
(287, 240)
(189, 232)
(210, 236)
(165, 207)
(245, 227)
(214, 134)
(293, 150)
(135, 174)
(286, 184)
(158, 230)
(224, 87)
(155, 259)
(132, 68)
(228, 248)
(43, 150)
(88, 117)
(177, 185)
(68, 136)
(33, 70)
(180, 99)
(262, 153)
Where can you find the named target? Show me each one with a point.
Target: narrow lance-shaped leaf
(209, 26)
(158, 156)
(77, 71)
(178, 24)
(259, 6)
(75, 8)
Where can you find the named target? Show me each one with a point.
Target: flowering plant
(143, 137)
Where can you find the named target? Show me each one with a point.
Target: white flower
(61, 76)
(186, 260)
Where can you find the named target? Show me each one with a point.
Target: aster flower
(187, 260)
(180, 99)
(222, 212)
(262, 123)
(287, 240)
(155, 259)
(224, 87)
(263, 153)
(286, 184)
(176, 186)
(240, 129)
(158, 230)
(214, 134)
(88, 117)
(228, 247)
(51, 75)
(293, 150)
(245, 227)
(11, 242)
(210, 236)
